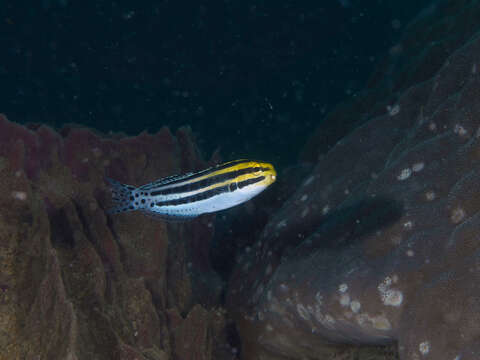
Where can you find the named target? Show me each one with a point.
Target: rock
(433, 35)
(379, 245)
(77, 284)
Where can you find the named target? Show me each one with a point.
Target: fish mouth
(272, 175)
(268, 171)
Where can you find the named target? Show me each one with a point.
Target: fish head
(267, 171)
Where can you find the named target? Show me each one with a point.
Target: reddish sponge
(83, 284)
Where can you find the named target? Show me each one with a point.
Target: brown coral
(75, 284)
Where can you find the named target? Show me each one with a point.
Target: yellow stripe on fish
(192, 194)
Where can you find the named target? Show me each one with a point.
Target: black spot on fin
(169, 218)
(122, 196)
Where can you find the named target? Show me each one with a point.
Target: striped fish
(186, 196)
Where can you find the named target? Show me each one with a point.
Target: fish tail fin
(122, 196)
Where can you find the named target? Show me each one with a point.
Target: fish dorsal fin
(165, 181)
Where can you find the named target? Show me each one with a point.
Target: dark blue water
(251, 77)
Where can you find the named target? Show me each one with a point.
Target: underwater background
(367, 245)
(245, 75)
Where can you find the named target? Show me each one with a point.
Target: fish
(189, 195)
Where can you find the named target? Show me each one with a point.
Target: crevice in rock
(61, 231)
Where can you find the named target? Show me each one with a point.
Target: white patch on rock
(345, 300)
(378, 322)
(424, 347)
(309, 180)
(410, 253)
(460, 130)
(329, 319)
(260, 316)
(393, 109)
(277, 307)
(404, 174)
(418, 166)
(458, 214)
(19, 195)
(430, 195)
(383, 286)
(325, 209)
(343, 288)
(355, 306)
(326, 320)
(303, 312)
(304, 197)
(408, 225)
(390, 297)
(282, 224)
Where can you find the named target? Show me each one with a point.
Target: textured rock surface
(428, 41)
(380, 243)
(75, 284)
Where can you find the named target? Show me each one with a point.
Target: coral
(76, 284)
(379, 244)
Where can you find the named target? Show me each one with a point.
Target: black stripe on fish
(194, 186)
(251, 181)
(210, 193)
(171, 180)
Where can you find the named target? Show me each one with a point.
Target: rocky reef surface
(374, 241)
(380, 242)
(427, 41)
(76, 284)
